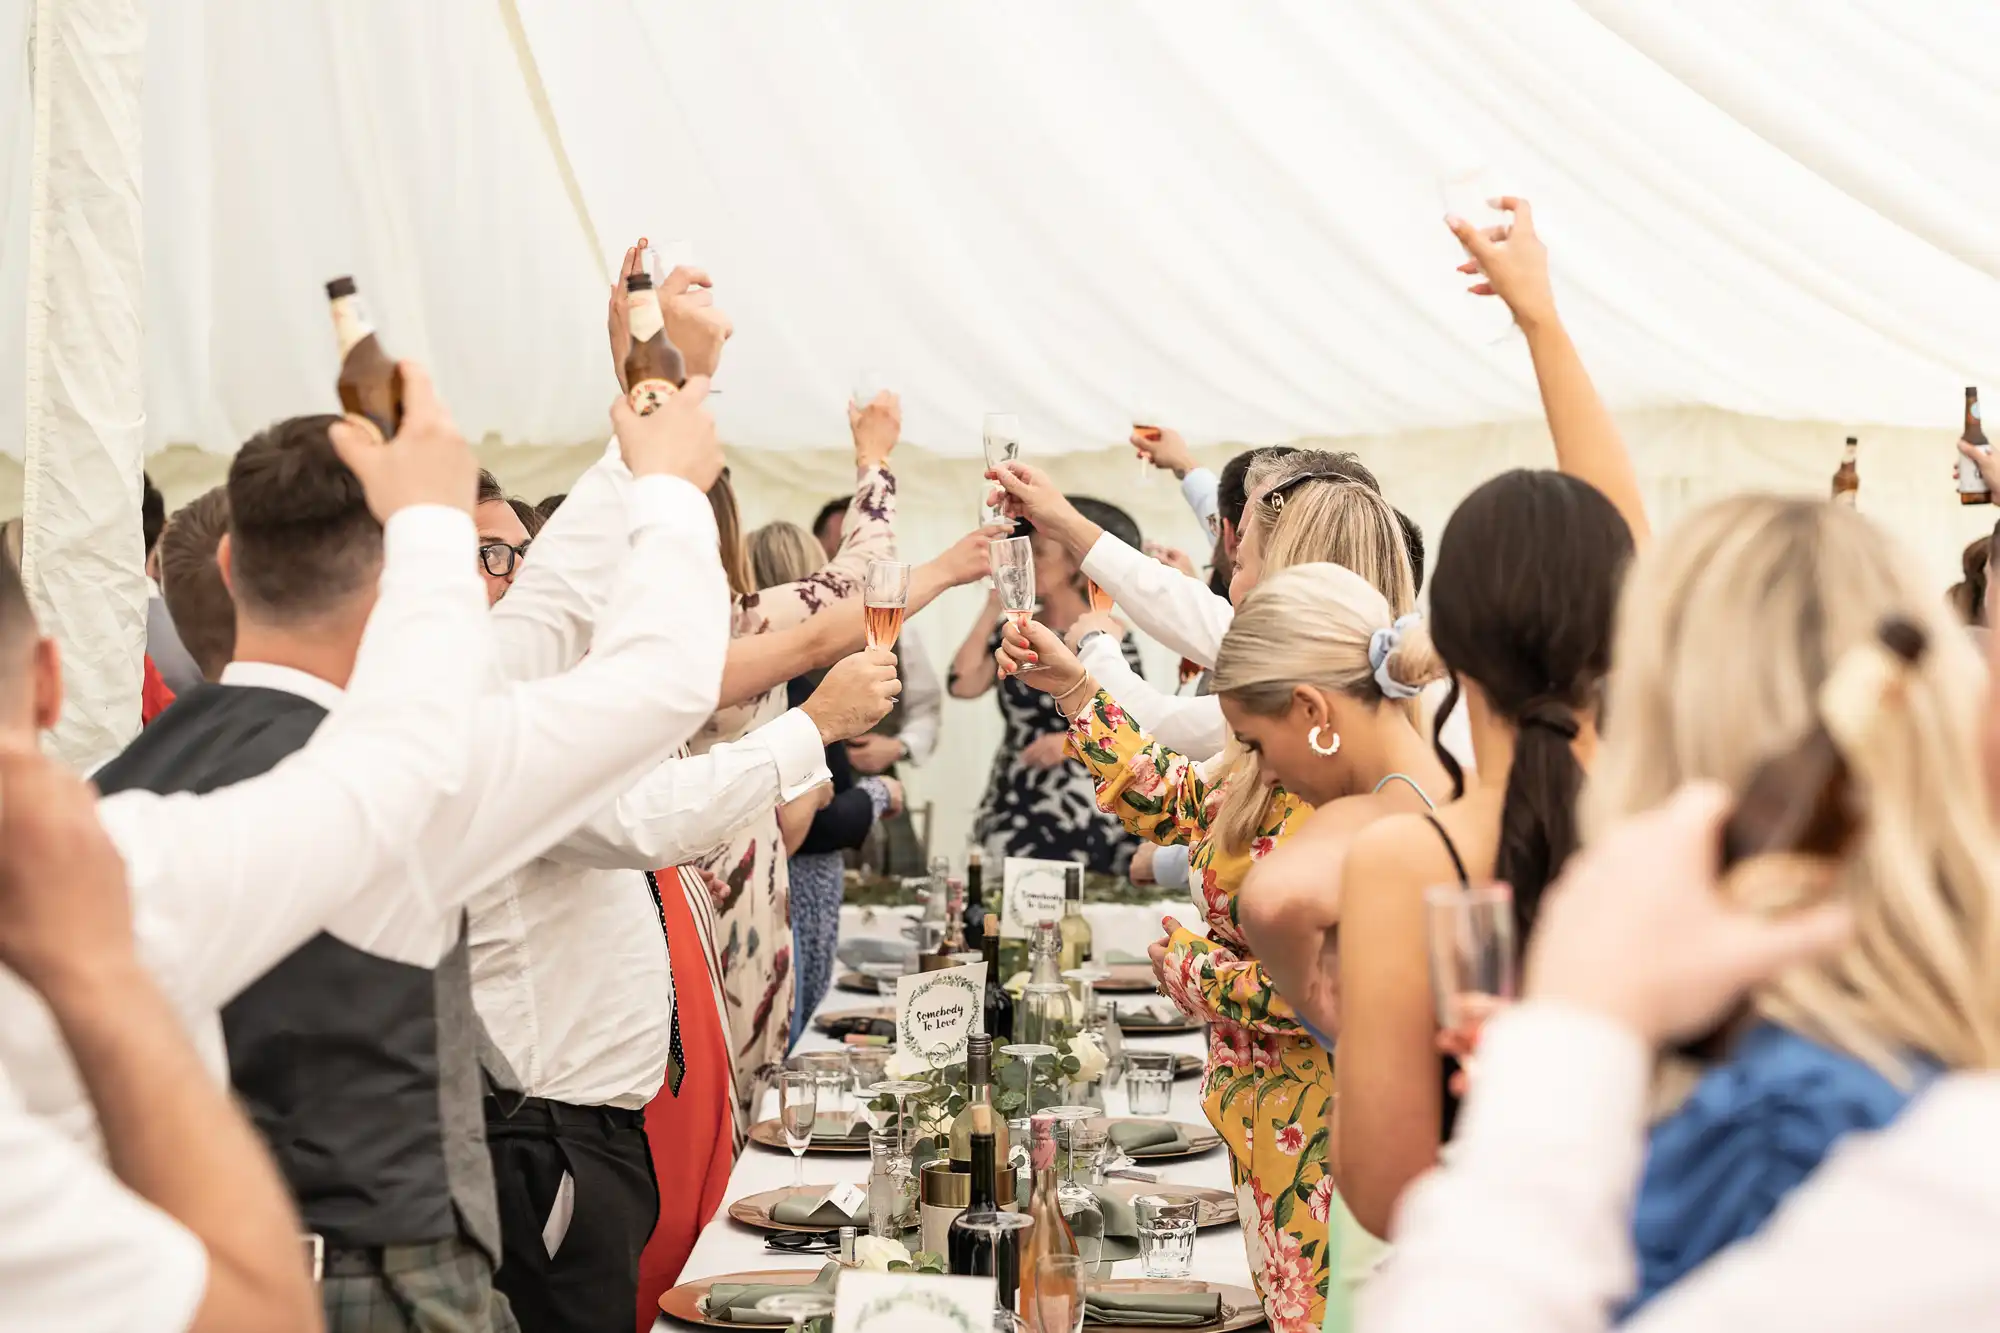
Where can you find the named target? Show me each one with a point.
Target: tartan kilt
(442, 1288)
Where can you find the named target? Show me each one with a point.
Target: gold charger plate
(823, 1023)
(1240, 1307)
(1201, 1139)
(1212, 1207)
(771, 1134)
(685, 1301)
(754, 1210)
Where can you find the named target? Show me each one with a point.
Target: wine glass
(868, 386)
(1079, 1206)
(798, 1099)
(1028, 1053)
(1146, 423)
(1470, 933)
(1054, 1299)
(885, 595)
(1014, 576)
(900, 1089)
(832, 1114)
(997, 1238)
(798, 1306)
(1002, 437)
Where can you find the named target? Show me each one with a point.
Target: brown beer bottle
(1803, 801)
(370, 384)
(653, 366)
(1847, 481)
(1972, 488)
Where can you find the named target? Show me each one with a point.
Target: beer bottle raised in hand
(653, 366)
(1972, 487)
(1847, 481)
(370, 384)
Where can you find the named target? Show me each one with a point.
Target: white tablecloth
(729, 1247)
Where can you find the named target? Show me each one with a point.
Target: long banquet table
(726, 1246)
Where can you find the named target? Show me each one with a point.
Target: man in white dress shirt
(356, 1053)
(570, 968)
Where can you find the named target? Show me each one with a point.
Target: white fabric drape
(85, 351)
(1770, 223)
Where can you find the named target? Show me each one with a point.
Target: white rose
(878, 1252)
(906, 1064)
(1089, 1055)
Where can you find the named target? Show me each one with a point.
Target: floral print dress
(753, 911)
(1269, 1085)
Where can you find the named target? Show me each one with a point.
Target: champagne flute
(1001, 437)
(1014, 576)
(1145, 423)
(1468, 192)
(900, 1089)
(798, 1097)
(1469, 930)
(799, 1307)
(868, 386)
(884, 598)
(1055, 1300)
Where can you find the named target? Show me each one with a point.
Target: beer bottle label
(642, 315)
(647, 395)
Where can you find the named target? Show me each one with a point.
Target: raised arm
(688, 806)
(1193, 726)
(1515, 267)
(217, 899)
(201, 1234)
(545, 622)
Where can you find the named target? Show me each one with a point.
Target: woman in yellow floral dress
(1312, 674)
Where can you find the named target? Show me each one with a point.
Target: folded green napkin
(1161, 1309)
(736, 1302)
(1121, 1225)
(1142, 1016)
(1146, 1138)
(857, 1130)
(798, 1211)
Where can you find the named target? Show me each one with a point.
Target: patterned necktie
(676, 1056)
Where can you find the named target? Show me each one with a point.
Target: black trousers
(591, 1283)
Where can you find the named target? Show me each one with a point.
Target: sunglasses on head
(1277, 495)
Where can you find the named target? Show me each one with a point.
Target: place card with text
(936, 1012)
(1031, 890)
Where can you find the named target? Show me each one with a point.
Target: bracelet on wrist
(1084, 685)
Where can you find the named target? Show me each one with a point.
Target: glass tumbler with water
(1149, 1081)
(891, 1185)
(1166, 1234)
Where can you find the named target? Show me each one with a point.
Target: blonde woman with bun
(1781, 590)
(1316, 676)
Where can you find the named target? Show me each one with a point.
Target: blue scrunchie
(1381, 646)
(1754, 1129)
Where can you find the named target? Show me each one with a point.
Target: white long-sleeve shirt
(1203, 492)
(922, 698)
(227, 884)
(1186, 724)
(1528, 1228)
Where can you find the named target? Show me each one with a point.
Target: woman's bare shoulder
(1393, 852)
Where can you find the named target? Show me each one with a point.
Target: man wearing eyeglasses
(503, 542)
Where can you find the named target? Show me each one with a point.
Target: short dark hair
(531, 517)
(828, 510)
(550, 503)
(301, 537)
(1231, 493)
(489, 488)
(191, 581)
(152, 511)
(1109, 517)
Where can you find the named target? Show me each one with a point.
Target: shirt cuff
(1170, 867)
(671, 501)
(431, 539)
(1561, 1077)
(1099, 650)
(793, 742)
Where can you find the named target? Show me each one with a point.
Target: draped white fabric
(1771, 220)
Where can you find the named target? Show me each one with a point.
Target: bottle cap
(639, 282)
(339, 287)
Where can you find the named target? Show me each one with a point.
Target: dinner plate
(1212, 1207)
(754, 1210)
(823, 1022)
(858, 984)
(685, 1301)
(1127, 979)
(1200, 1138)
(1185, 1025)
(1240, 1307)
(771, 1134)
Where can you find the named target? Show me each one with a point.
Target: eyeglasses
(499, 559)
